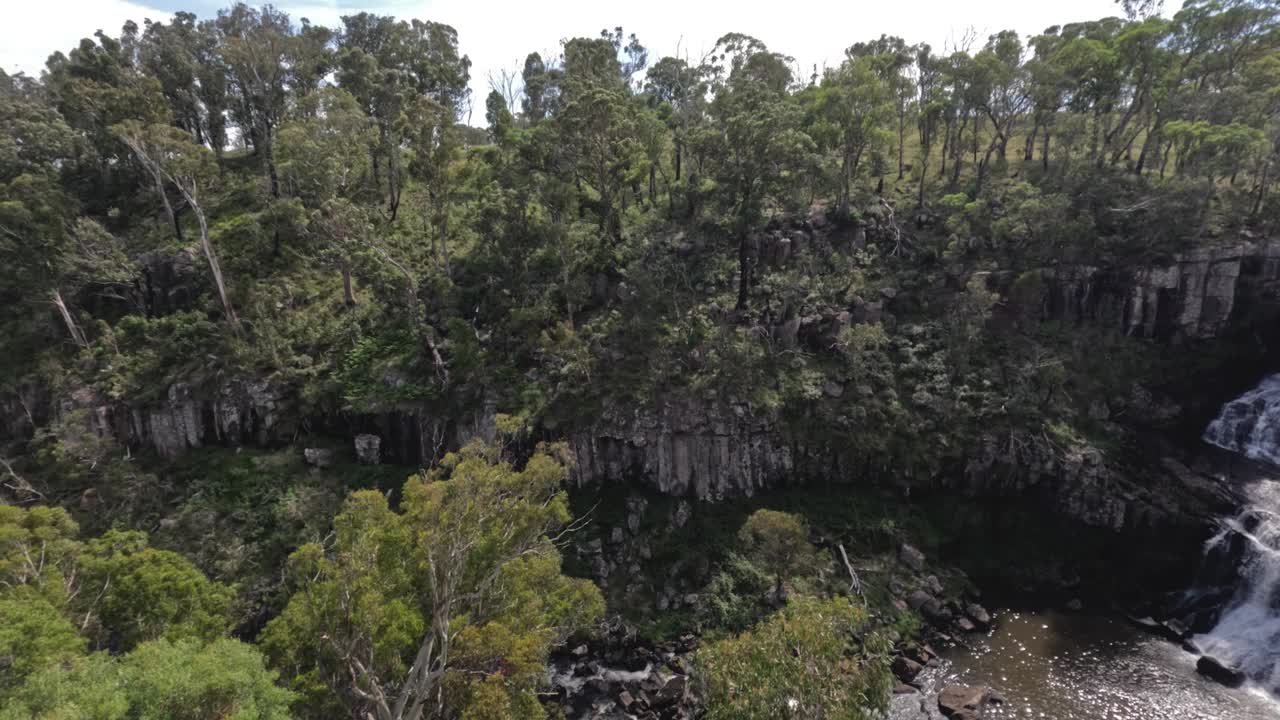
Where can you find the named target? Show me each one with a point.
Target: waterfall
(1247, 633)
(1250, 424)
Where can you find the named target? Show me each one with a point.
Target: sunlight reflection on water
(1077, 667)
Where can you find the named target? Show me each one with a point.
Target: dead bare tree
(508, 82)
(178, 160)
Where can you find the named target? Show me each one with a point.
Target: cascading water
(1250, 424)
(1246, 636)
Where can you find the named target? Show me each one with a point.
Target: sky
(497, 35)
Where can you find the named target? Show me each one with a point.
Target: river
(1066, 666)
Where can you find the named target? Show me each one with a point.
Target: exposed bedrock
(1196, 296)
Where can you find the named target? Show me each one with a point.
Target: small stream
(1061, 666)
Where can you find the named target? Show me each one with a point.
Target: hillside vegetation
(857, 256)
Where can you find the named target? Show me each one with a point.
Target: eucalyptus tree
(445, 608)
(930, 103)
(894, 61)
(854, 105)
(324, 163)
(386, 64)
(597, 122)
(256, 45)
(754, 144)
(1000, 92)
(679, 91)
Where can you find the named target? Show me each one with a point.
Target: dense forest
(230, 245)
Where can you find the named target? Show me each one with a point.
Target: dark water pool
(1058, 666)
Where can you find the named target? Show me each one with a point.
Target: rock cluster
(619, 675)
(618, 557)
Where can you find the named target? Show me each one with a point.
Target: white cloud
(500, 34)
(32, 31)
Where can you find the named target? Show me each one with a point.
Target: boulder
(368, 449)
(674, 691)
(933, 585)
(317, 457)
(909, 556)
(906, 669)
(1220, 671)
(978, 615)
(919, 599)
(962, 702)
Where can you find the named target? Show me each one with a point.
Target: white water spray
(1250, 424)
(1247, 635)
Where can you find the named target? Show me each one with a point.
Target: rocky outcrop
(235, 412)
(1079, 484)
(368, 449)
(686, 447)
(618, 674)
(1195, 296)
(169, 280)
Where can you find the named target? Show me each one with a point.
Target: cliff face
(711, 449)
(189, 416)
(687, 447)
(1195, 297)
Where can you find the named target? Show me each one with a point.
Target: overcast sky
(500, 34)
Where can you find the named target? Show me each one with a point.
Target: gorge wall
(711, 449)
(1195, 296)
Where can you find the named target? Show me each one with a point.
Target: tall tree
(325, 163)
(894, 61)
(754, 143)
(386, 64)
(256, 47)
(451, 603)
(853, 105)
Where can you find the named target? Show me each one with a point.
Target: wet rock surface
(1220, 671)
(962, 702)
(618, 675)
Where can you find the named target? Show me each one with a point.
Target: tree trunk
(744, 269)
(393, 183)
(72, 328)
(1262, 189)
(211, 256)
(902, 138)
(444, 239)
(946, 145)
(843, 205)
(348, 293)
(164, 199)
(924, 173)
(1029, 152)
